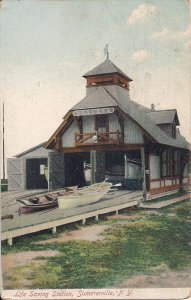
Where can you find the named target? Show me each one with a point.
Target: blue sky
(47, 45)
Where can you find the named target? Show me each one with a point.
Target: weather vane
(106, 51)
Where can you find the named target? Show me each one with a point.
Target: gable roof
(106, 67)
(30, 150)
(140, 115)
(116, 96)
(164, 116)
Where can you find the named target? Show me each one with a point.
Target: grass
(130, 248)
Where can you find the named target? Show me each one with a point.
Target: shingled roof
(117, 96)
(106, 67)
(164, 116)
(98, 97)
(113, 95)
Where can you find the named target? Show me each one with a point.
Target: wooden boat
(84, 196)
(42, 201)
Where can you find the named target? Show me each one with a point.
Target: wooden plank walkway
(165, 203)
(35, 222)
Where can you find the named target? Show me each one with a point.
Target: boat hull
(84, 196)
(31, 208)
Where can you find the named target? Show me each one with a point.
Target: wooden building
(113, 137)
(26, 169)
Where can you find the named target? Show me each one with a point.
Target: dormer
(167, 120)
(107, 74)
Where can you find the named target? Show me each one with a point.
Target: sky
(47, 45)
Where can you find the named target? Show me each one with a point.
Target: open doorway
(124, 167)
(35, 176)
(74, 169)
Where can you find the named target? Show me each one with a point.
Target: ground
(138, 248)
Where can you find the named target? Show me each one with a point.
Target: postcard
(95, 139)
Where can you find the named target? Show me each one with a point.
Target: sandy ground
(13, 260)
(167, 279)
(90, 233)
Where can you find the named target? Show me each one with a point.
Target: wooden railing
(100, 138)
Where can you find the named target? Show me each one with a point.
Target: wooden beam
(143, 172)
(105, 148)
(63, 126)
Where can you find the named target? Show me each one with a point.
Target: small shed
(26, 170)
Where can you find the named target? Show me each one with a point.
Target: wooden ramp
(51, 219)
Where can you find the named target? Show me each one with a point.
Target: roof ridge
(161, 110)
(113, 97)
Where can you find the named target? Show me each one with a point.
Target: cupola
(107, 74)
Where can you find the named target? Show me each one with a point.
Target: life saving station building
(107, 135)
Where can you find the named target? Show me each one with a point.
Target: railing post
(118, 136)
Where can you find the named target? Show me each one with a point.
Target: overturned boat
(42, 201)
(84, 196)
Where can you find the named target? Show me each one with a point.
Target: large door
(35, 176)
(14, 174)
(56, 168)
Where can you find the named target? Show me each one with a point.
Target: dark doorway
(35, 177)
(74, 168)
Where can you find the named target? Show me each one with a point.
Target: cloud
(166, 33)
(141, 13)
(141, 55)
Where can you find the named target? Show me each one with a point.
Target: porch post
(143, 173)
(97, 160)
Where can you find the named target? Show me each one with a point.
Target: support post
(10, 241)
(97, 166)
(97, 218)
(83, 222)
(116, 212)
(143, 174)
(54, 230)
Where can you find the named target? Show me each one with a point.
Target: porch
(99, 138)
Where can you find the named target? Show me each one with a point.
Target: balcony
(98, 138)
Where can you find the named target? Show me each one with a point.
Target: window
(176, 163)
(170, 163)
(174, 131)
(42, 169)
(164, 163)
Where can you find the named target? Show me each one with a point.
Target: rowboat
(84, 196)
(42, 201)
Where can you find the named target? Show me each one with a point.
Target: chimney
(152, 107)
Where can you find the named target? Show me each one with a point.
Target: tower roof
(106, 67)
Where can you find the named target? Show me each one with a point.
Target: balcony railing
(100, 138)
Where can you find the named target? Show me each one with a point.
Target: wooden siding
(88, 124)
(114, 123)
(154, 167)
(68, 138)
(132, 133)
